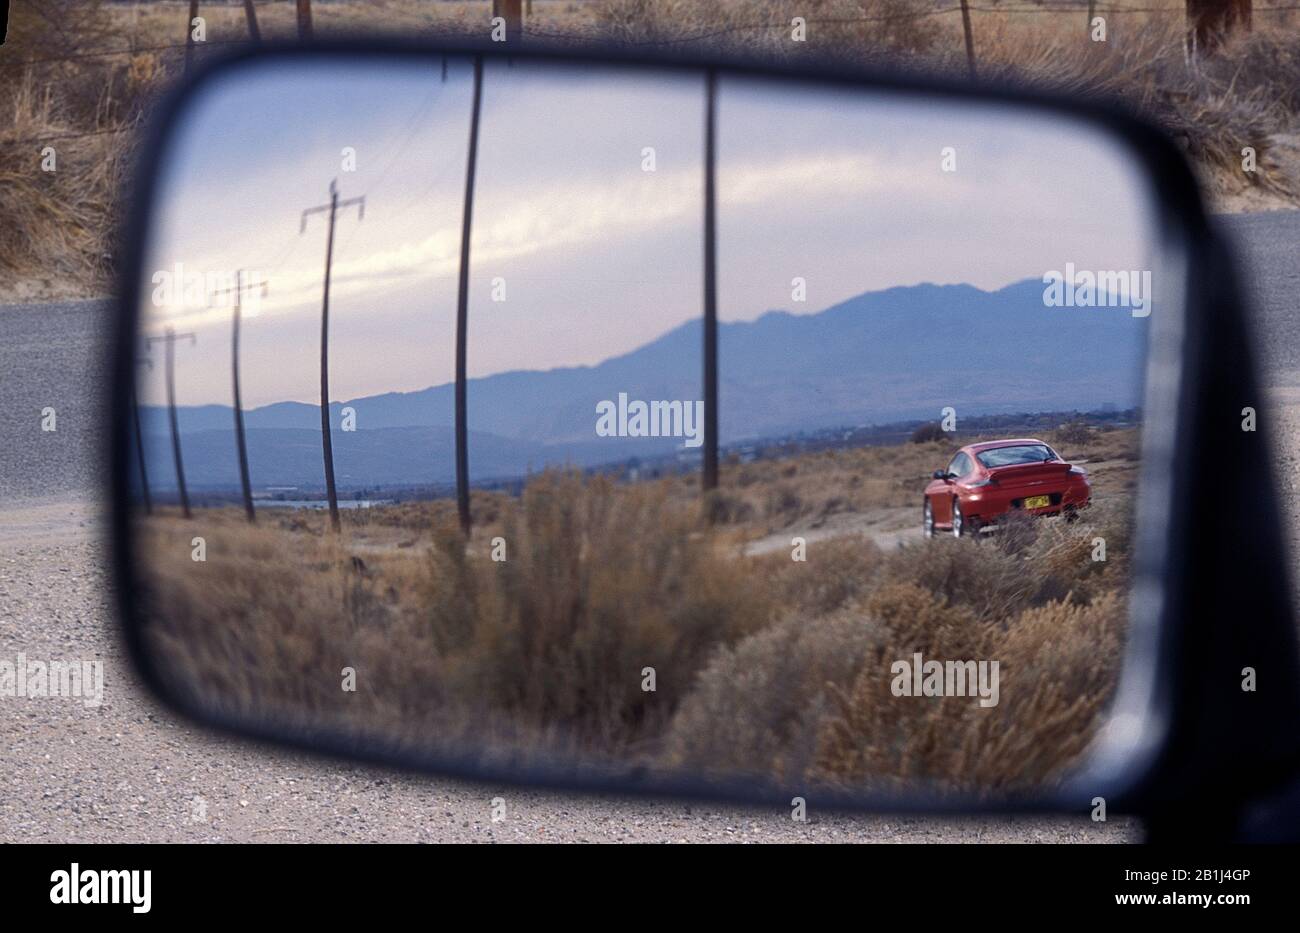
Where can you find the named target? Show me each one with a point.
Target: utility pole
(327, 443)
(462, 306)
(710, 466)
(170, 337)
(237, 290)
(139, 441)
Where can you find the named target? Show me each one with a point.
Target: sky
(592, 254)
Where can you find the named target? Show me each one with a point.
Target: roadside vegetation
(60, 226)
(765, 666)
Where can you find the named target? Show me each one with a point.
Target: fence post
(512, 11)
(189, 34)
(1210, 22)
(250, 15)
(304, 20)
(970, 41)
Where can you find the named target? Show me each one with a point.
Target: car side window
(960, 466)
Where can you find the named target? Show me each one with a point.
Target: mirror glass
(911, 565)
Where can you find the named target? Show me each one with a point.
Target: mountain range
(893, 355)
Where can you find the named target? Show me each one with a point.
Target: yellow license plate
(1037, 502)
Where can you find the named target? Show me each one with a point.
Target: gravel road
(128, 771)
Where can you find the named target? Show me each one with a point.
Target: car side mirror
(368, 544)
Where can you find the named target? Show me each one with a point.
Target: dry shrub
(600, 583)
(913, 619)
(1025, 562)
(813, 486)
(250, 634)
(646, 20)
(757, 707)
(58, 225)
(1074, 434)
(873, 30)
(989, 581)
(928, 433)
(1240, 96)
(848, 28)
(1016, 532)
(809, 698)
(759, 660)
(1057, 674)
(837, 573)
(724, 508)
(784, 504)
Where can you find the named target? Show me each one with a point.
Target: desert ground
(533, 638)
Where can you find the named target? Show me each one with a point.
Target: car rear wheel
(927, 519)
(958, 522)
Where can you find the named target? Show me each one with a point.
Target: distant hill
(884, 356)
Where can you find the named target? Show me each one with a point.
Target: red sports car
(985, 481)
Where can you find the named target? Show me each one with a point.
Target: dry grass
(764, 666)
(778, 494)
(1246, 95)
(60, 227)
(598, 584)
(809, 698)
(254, 635)
(1054, 691)
(59, 188)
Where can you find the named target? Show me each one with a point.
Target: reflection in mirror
(931, 328)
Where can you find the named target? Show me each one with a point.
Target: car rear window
(1021, 453)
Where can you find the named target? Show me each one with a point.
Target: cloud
(512, 223)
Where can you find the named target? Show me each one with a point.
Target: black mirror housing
(1184, 714)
